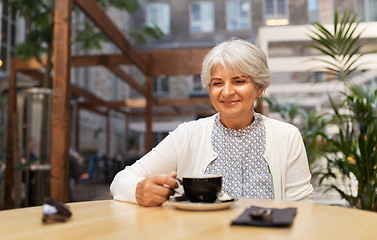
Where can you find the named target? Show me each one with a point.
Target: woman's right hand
(155, 190)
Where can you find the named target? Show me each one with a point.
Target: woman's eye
(240, 81)
(216, 83)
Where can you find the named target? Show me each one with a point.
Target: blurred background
(104, 140)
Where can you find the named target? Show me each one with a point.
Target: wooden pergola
(151, 63)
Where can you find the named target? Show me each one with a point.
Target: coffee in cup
(202, 187)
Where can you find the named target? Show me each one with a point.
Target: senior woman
(257, 156)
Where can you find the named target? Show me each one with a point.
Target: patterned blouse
(240, 160)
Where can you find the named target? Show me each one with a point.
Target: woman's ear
(259, 92)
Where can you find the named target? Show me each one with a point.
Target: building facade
(187, 24)
(279, 27)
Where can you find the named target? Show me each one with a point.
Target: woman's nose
(228, 89)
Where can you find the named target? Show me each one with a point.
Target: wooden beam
(207, 112)
(102, 59)
(148, 114)
(92, 107)
(197, 101)
(111, 62)
(95, 101)
(126, 78)
(175, 102)
(79, 92)
(34, 74)
(11, 154)
(31, 64)
(94, 11)
(87, 95)
(130, 103)
(61, 94)
(160, 61)
(176, 62)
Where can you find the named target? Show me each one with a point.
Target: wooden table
(111, 219)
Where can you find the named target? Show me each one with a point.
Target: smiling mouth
(229, 102)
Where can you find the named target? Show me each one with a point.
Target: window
(320, 11)
(313, 11)
(367, 10)
(159, 14)
(238, 15)
(198, 87)
(201, 17)
(276, 12)
(161, 85)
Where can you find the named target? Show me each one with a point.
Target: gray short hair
(240, 56)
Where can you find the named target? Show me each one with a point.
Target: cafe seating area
(94, 183)
(59, 188)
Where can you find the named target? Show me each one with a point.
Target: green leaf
(154, 32)
(335, 21)
(90, 37)
(140, 35)
(343, 46)
(129, 5)
(319, 27)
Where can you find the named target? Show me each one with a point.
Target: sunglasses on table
(54, 210)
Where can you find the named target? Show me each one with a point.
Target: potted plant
(351, 152)
(309, 124)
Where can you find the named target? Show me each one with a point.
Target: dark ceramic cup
(202, 188)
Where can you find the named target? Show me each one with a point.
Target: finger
(148, 193)
(159, 200)
(163, 191)
(164, 180)
(173, 174)
(153, 200)
(151, 189)
(145, 195)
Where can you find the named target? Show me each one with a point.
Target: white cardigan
(188, 150)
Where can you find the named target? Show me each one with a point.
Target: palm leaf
(343, 46)
(319, 27)
(351, 46)
(335, 21)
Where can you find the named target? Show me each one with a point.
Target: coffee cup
(202, 187)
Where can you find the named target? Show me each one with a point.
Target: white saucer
(187, 205)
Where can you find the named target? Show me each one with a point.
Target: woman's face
(232, 95)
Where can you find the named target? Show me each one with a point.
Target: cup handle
(179, 181)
